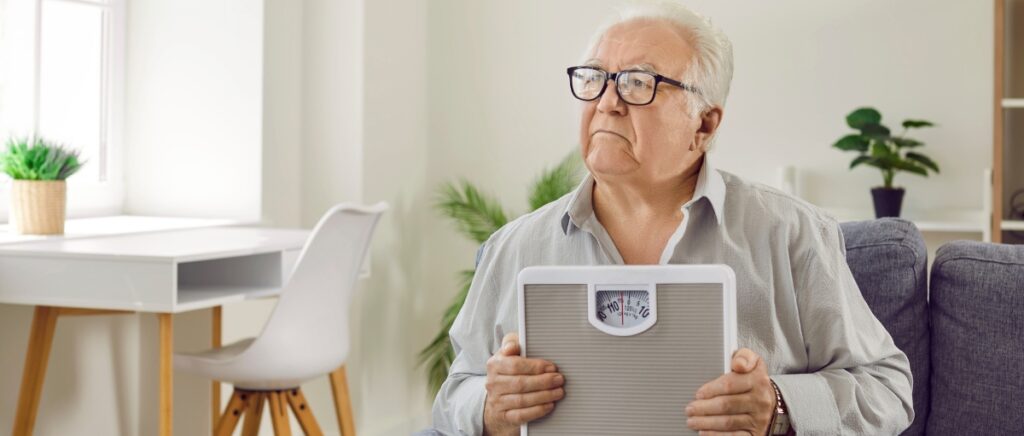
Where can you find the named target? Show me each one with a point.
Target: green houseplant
(39, 190)
(876, 146)
(477, 216)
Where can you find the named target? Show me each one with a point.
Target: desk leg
(166, 373)
(342, 403)
(215, 393)
(44, 322)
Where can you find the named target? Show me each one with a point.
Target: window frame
(103, 195)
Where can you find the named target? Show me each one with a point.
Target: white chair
(305, 337)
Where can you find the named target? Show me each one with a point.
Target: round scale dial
(624, 308)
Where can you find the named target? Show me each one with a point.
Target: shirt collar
(710, 186)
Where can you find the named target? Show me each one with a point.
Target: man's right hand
(519, 390)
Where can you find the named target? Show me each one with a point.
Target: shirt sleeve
(857, 380)
(459, 405)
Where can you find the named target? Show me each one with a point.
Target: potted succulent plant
(39, 190)
(876, 146)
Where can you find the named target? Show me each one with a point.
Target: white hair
(710, 69)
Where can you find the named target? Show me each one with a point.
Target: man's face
(645, 144)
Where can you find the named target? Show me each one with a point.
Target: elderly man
(814, 358)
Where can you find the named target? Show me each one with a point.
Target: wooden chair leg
(342, 403)
(44, 322)
(225, 426)
(253, 413)
(279, 414)
(300, 408)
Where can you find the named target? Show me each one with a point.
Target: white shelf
(196, 297)
(947, 221)
(1013, 103)
(934, 220)
(1013, 225)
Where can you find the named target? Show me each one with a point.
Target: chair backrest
(310, 321)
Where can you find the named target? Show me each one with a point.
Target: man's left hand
(741, 402)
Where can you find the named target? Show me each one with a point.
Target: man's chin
(614, 169)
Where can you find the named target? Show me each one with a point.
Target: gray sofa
(966, 342)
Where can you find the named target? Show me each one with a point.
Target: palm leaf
(476, 215)
(438, 356)
(556, 182)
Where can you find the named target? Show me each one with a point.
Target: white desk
(163, 272)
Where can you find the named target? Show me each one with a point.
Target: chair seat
(220, 364)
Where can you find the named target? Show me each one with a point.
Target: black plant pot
(888, 201)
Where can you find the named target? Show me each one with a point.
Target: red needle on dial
(622, 310)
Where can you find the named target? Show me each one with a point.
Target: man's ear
(709, 122)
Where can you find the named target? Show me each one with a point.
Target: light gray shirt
(799, 307)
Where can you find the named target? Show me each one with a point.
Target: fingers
(514, 384)
(744, 360)
(509, 345)
(515, 365)
(523, 401)
(722, 405)
(721, 423)
(522, 416)
(726, 384)
(725, 433)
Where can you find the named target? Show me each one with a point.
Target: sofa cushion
(977, 309)
(888, 259)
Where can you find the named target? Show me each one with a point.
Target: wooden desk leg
(166, 373)
(215, 341)
(342, 403)
(44, 322)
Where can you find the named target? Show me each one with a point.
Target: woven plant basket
(37, 206)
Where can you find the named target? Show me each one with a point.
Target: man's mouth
(609, 132)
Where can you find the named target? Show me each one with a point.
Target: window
(61, 67)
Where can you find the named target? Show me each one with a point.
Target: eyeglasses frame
(658, 78)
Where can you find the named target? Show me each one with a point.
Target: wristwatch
(780, 422)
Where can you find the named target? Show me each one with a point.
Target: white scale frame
(632, 278)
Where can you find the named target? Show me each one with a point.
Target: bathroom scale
(634, 342)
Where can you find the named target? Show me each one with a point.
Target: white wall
(193, 116)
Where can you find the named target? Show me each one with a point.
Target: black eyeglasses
(635, 87)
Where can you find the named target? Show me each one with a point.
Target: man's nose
(610, 102)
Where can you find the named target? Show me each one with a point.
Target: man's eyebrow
(643, 67)
(596, 63)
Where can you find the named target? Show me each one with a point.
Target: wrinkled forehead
(647, 44)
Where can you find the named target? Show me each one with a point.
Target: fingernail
(700, 395)
(559, 379)
(689, 422)
(549, 368)
(689, 410)
(560, 393)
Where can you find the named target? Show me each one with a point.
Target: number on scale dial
(623, 308)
